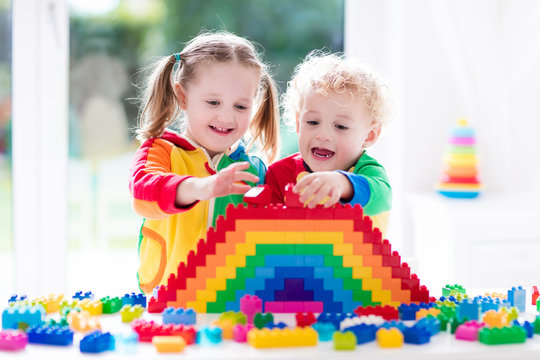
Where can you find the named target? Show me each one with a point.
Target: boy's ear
(180, 95)
(373, 135)
(297, 122)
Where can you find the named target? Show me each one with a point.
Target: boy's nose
(323, 134)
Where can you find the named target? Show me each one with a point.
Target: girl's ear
(373, 135)
(180, 95)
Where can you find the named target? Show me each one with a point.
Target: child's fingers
(239, 189)
(332, 199)
(320, 196)
(303, 182)
(245, 176)
(239, 166)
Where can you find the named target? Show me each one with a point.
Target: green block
(453, 290)
(262, 319)
(314, 249)
(215, 307)
(332, 261)
(455, 322)
(255, 261)
(245, 273)
(341, 272)
(111, 305)
(275, 249)
(506, 335)
(537, 325)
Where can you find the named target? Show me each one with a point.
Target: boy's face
(334, 130)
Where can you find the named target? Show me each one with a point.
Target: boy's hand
(324, 187)
(229, 181)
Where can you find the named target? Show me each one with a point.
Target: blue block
(29, 315)
(265, 295)
(274, 284)
(15, 298)
(323, 273)
(97, 342)
(529, 328)
(314, 260)
(83, 295)
(50, 335)
(232, 306)
(470, 309)
(272, 325)
(334, 284)
(430, 324)
(284, 260)
(179, 316)
(408, 312)
(265, 272)
(255, 284)
(325, 330)
(209, 335)
(394, 324)
(364, 333)
(416, 335)
(517, 297)
(293, 272)
(134, 299)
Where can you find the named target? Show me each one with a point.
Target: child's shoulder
(292, 161)
(169, 138)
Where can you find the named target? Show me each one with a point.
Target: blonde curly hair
(324, 72)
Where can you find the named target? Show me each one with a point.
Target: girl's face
(218, 104)
(334, 130)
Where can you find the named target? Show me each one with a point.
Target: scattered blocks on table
(368, 320)
(97, 342)
(262, 319)
(344, 340)
(535, 294)
(422, 313)
(126, 343)
(416, 335)
(111, 305)
(210, 335)
(266, 338)
(455, 289)
(305, 319)
(325, 330)
(134, 299)
(240, 332)
(389, 338)
(51, 303)
(506, 335)
(470, 309)
(94, 307)
(364, 333)
(169, 344)
(148, 329)
(50, 335)
(80, 295)
(15, 298)
(13, 340)
(250, 305)
(82, 321)
(387, 312)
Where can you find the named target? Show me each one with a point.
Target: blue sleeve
(361, 189)
(260, 166)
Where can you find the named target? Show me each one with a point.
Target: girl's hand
(324, 187)
(230, 180)
(227, 181)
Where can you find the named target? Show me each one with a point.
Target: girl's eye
(341, 127)
(312, 122)
(240, 107)
(212, 102)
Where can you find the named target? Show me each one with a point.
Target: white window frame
(40, 70)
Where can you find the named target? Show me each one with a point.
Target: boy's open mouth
(322, 153)
(220, 130)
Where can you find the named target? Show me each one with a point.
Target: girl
(221, 90)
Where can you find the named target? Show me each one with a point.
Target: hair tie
(177, 57)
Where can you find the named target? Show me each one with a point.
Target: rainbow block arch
(295, 260)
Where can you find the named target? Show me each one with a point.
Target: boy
(338, 109)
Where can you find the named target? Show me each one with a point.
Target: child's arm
(226, 182)
(325, 187)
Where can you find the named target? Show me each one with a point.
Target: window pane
(6, 238)
(109, 44)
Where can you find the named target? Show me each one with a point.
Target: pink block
(250, 305)
(462, 141)
(240, 332)
(273, 307)
(314, 306)
(293, 306)
(13, 340)
(468, 331)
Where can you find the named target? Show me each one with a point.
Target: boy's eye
(341, 127)
(212, 102)
(312, 122)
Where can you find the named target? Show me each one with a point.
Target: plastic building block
(344, 341)
(134, 299)
(422, 313)
(536, 325)
(535, 294)
(262, 319)
(234, 317)
(250, 305)
(387, 312)
(79, 295)
(258, 195)
(126, 343)
(470, 309)
(51, 303)
(240, 332)
(83, 321)
(394, 324)
(148, 329)
(408, 311)
(529, 328)
(50, 335)
(13, 340)
(325, 331)
(291, 198)
(430, 323)
(272, 325)
(15, 298)
(111, 305)
(453, 290)
(21, 317)
(128, 313)
(94, 307)
(156, 306)
(368, 320)
(517, 296)
(334, 318)
(389, 338)
(169, 344)
(305, 319)
(210, 335)
(469, 331)
(179, 316)
(416, 335)
(266, 338)
(97, 342)
(506, 335)
(364, 333)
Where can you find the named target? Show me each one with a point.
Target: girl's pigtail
(161, 104)
(265, 123)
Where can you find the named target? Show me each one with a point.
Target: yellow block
(389, 338)
(169, 344)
